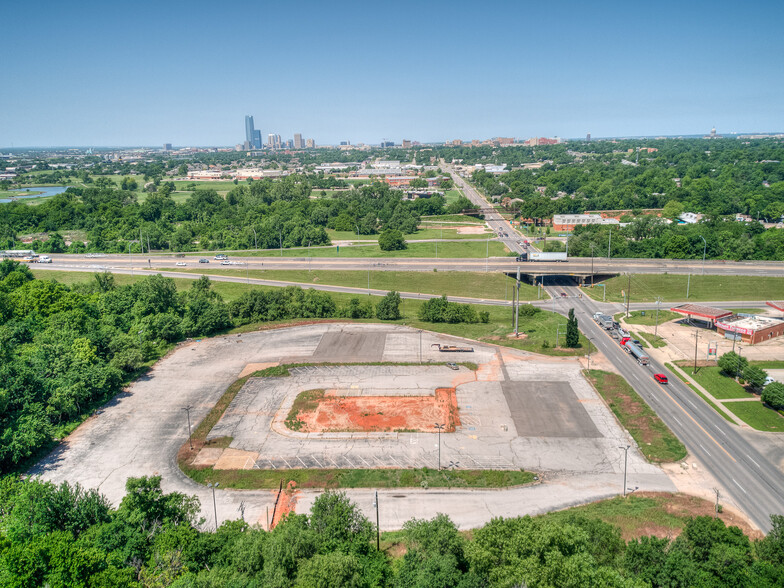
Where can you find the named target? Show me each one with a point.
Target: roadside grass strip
(757, 415)
(646, 287)
(716, 383)
(691, 387)
(655, 440)
(649, 318)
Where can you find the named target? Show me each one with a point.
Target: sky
(144, 73)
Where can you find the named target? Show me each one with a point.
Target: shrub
(773, 395)
(391, 240)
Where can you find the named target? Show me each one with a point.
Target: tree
(732, 364)
(572, 332)
(773, 395)
(672, 210)
(388, 308)
(754, 375)
(418, 183)
(391, 240)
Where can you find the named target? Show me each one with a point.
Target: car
(226, 262)
(180, 264)
(221, 256)
(204, 260)
(452, 365)
(661, 378)
(563, 294)
(768, 380)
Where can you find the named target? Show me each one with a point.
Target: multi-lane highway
(755, 484)
(580, 267)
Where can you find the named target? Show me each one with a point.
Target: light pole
(609, 242)
(247, 273)
(214, 504)
(439, 427)
(255, 239)
(487, 255)
(658, 304)
(378, 530)
(704, 250)
(309, 257)
(129, 256)
(187, 409)
(280, 237)
(592, 246)
(696, 339)
(625, 466)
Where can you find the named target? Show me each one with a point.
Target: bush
(755, 376)
(773, 395)
(440, 310)
(391, 240)
(528, 310)
(388, 308)
(484, 317)
(732, 364)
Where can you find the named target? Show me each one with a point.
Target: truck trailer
(547, 256)
(637, 353)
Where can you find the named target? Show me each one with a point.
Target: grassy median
(655, 440)
(646, 287)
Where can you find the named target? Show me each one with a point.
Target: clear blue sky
(144, 73)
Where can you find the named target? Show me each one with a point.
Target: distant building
(385, 144)
(503, 141)
(567, 222)
(588, 137)
(256, 139)
(246, 146)
(406, 144)
(690, 218)
(345, 143)
(310, 144)
(167, 146)
(298, 141)
(252, 136)
(386, 163)
(271, 141)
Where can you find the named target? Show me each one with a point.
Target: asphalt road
(574, 267)
(755, 484)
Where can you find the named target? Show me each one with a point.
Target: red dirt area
(287, 500)
(383, 413)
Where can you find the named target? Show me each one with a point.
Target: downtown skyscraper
(252, 135)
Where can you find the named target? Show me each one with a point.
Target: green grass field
(470, 248)
(700, 394)
(654, 438)
(452, 195)
(718, 385)
(471, 284)
(457, 218)
(646, 287)
(637, 318)
(770, 364)
(536, 330)
(654, 340)
(757, 415)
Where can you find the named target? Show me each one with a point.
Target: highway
(574, 267)
(755, 484)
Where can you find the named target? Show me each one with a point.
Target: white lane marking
(739, 486)
(678, 420)
(754, 462)
(705, 450)
(720, 431)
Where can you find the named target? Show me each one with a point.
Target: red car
(661, 378)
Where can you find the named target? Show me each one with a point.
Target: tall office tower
(278, 142)
(298, 141)
(406, 144)
(257, 139)
(167, 147)
(290, 144)
(271, 141)
(310, 144)
(588, 137)
(249, 128)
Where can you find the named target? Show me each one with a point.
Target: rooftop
(707, 312)
(748, 323)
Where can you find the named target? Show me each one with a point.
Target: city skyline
(519, 70)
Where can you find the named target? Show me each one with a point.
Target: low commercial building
(567, 222)
(752, 329)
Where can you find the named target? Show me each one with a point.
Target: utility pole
(378, 529)
(628, 294)
(187, 409)
(214, 504)
(716, 511)
(704, 250)
(439, 427)
(487, 255)
(609, 242)
(280, 236)
(658, 303)
(696, 338)
(517, 304)
(688, 285)
(592, 265)
(129, 257)
(625, 466)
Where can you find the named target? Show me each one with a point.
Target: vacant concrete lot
(140, 432)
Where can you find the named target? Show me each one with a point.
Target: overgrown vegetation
(66, 536)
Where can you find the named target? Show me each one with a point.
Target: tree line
(262, 214)
(65, 535)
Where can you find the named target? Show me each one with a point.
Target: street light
(439, 427)
(280, 236)
(255, 239)
(214, 505)
(704, 250)
(625, 466)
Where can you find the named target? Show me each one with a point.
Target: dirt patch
(256, 367)
(380, 413)
(470, 230)
(287, 501)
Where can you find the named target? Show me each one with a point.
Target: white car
(226, 262)
(181, 264)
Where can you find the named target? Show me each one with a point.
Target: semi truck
(542, 256)
(637, 353)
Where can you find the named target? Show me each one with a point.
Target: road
(755, 484)
(494, 220)
(575, 266)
